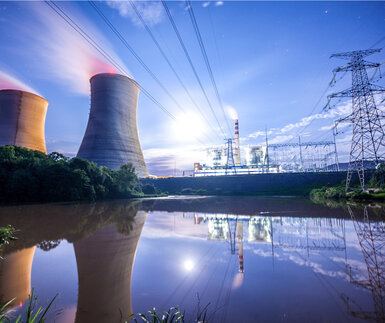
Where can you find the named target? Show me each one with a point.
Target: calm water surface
(249, 259)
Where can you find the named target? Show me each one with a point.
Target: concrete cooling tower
(111, 138)
(22, 119)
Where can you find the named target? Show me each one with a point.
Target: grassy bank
(31, 176)
(278, 184)
(375, 190)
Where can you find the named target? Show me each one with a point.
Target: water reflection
(105, 261)
(15, 276)
(271, 259)
(371, 238)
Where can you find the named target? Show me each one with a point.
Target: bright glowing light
(188, 127)
(188, 265)
(232, 112)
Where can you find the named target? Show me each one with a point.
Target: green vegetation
(6, 234)
(31, 176)
(32, 314)
(171, 316)
(375, 191)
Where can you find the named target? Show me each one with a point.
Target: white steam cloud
(64, 53)
(232, 112)
(8, 82)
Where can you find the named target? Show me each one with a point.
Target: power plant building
(111, 138)
(255, 156)
(22, 119)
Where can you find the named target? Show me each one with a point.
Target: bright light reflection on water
(248, 259)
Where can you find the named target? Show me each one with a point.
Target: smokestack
(237, 153)
(22, 119)
(111, 138)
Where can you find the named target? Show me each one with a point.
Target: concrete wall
(22, 119)
(111, 138)
(261, 184)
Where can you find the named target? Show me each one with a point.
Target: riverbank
(279, 184)
(339, 193)
(28, 176)
(375, 189)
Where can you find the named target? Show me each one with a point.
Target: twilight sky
(270, 61)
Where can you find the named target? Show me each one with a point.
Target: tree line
(32, 176)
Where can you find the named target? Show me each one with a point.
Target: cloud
(151, 11)
(281, 133)
(62, 52)
(8, 81)
(258, 134)
(341, 110)
(164, 161)
(280, 139)
(206, 4)
(219, 3)
(328, 127)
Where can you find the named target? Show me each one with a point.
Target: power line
(330, 84)
(207, 61)
(191, 63)
(377, 42)
(89, 39)
(125, 43)
(84, 35)
(368, 138)
(170, 65)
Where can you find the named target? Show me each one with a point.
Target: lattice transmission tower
(368, 133)
(230, 164)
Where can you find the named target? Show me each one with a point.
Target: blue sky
(270, 61)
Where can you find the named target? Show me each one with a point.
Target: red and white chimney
(237, 152)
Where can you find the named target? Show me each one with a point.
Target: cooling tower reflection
(15, 276)
(272, 254)
(105, 261)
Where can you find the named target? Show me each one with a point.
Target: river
(239, 259)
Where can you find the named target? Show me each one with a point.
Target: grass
(32, 314)
(173, 315)
(6, 236)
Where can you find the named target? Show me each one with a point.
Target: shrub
(27, 175)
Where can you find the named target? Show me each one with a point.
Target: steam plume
(65, 54)
(232, 112)
(10, 82)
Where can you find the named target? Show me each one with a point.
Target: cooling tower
(22, 119)
(111, 138)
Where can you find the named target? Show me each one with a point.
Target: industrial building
(111, 138)
(22, 119)
(267, 158)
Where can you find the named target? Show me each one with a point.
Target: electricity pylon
(230, 155)
(368, 133)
